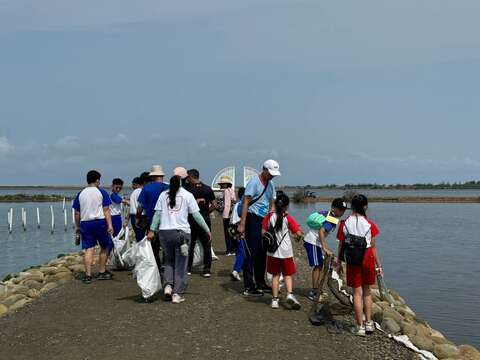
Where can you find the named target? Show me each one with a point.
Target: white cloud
(5, 145)
(68, 142)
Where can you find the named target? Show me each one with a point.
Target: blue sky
(338, 92)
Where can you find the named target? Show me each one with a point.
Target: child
(137, 186)
(240, 250)
(281, 262)
(116, 206)
(315, 241)
(362, 276)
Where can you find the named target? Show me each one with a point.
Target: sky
(338, 92)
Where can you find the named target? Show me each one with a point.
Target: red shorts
(357, 276)
(276, 266)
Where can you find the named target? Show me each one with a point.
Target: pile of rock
(399, 319)
(19, 289)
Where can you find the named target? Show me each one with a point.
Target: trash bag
(119, 247)
(197, 254)
(146, 270)
(214, 257)
(269, 277)
(129, 256)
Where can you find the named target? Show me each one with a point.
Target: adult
(207, 203)
(93, 222)
(257, 202)
(171, 221)
(137, 186)
(228, 201)
(147, 200)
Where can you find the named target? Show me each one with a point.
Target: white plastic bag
(146, 270)
(120, 246)
(129, 256)
(214, 257)
(269, 278)
(197, 254)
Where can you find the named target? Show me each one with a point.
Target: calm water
(430, 254)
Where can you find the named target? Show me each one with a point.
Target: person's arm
(77, 221)
(155, 225)
(246, 202)
(108, 219)
(322, 234)
(197, 216)
(378, 263)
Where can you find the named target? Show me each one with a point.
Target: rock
(3, 310)
(35, 272)
(394, 314)
(378, 317)
(33, 293)
(443, 351)
(423, 343)
(12, 299)
(440, 340)
(77, 268)
(422, 330)
(48, 287)
(391, 326)
(32, 284)
(397, 297)
(60, 278)
(9, 276)
(19, 304)
(405, 311)
(17, 289)
(383, 304)
(32, 278)
(61, 269)
(48, 270)
(408, 329)
(466, 351)
(3, 290)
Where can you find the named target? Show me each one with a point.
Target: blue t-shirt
(149, 196)
(254, 189)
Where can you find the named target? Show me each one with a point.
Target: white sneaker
(235, 276)
(275, 303)
(293, 302)
(177, 299)
(359, 331)
(168, 291)
(369, 327)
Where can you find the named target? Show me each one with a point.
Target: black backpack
(270, 242)
(353, 248)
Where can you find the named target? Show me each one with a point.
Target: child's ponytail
(281, 205)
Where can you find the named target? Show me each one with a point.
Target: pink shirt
(228, 199)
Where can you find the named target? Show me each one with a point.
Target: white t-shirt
(359, 226)
(235, 219)
(134, 201)
(312, 237)
(285, 250)
(176, 218)
(90, 203)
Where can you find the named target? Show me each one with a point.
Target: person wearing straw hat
(226, 185)
(147, 200)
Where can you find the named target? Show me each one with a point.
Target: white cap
(273, 167)
(180, 171)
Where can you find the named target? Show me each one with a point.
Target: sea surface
(430, 252)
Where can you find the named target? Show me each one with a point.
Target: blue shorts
(314, 254)
(116, 224)
(94, 232)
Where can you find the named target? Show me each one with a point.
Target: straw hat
(225, 180)
(157, 170)
(180, 171)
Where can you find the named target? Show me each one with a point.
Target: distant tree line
(419, 186)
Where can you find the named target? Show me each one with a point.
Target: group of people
(173, 216)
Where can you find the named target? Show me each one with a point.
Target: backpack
(316, 220)
(270, 242)
(353, 248)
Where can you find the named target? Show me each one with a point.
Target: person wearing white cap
(256, 203)
(229, 199)
(147, 200)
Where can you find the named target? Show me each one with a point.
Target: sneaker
(235, 276)
(189, 273)
(265, 289)
(87, 279)
(359, 331)
(105, 276)
(275, 303)
(207, 275)
(293, 302)
(168, 292)
(253, 293)
(369, 327)
(177, 299)
(312, 295)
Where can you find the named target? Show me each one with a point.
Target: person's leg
(260, 263)
(289, 283)
(207, 251)
(102, 260)
(116, 224)
(250, 253)
(226, 223)
(367, 302)
(239, 256)
(181, 263)
(165, 237)
(358, 305)
(275, 285)
(88, 261)
(156, 251)
(316, 274)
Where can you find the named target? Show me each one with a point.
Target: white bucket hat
(225, 180)
(157, 170)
